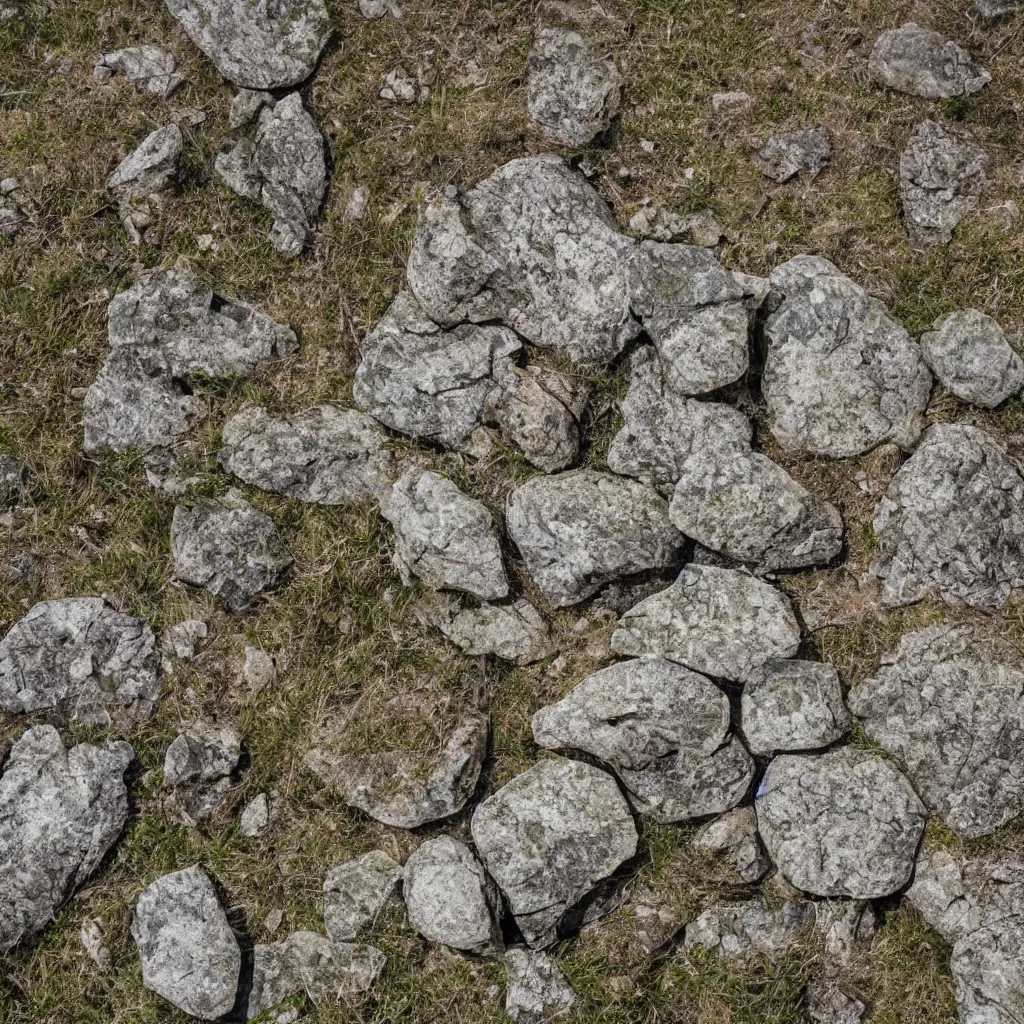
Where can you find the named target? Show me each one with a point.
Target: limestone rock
(149, 68)
(920, 62)
(536, 990)
(198, 767)
(357, 891)
(93, 943)
(258, 815)
(845, 823)
(548, 837)
(734, 838)
(661, 225)
(784, 156)
(14, 481)
(516, 632)
(258, 668)
(738, 931)
(246, 106)
(827, 1003)
(60, 813)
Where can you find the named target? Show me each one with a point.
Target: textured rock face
(970, 355)
(951, 523)
(720, 622)
(355, 893)
(919, 61)
(784, 156)
(449, 897)
(257, 815)
(229, 548)
(570, 93)
(580, 530)
(734, 838)
(198, 766)
(845, 823)
(664, 731)
(548, 837)
(324, 455)
(515, 632)
(149, 68)
(149, 169)
(536, 990)
(736, 931)
(661, 225)
(189, 954)
(942, 174)
(841, 376)
(79, 659)
(60, 812)
(261, 45)
(827, 1003)
(953, 717)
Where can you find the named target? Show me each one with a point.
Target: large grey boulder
(79, 659)
(260, 45)
(582, 529)
(841, 376)
(720, 622)
(357, 891)
(514, 632)
(60, 813)
(951, 712)
(148, 67)
(189, 954)
(784, 156)
(733, 838)
(662, 729)
(951, 522)
(548, 837)
(536, 990)
(570, 93)
(737, 931)
(919, 61)
(198, 767)
(845, 823)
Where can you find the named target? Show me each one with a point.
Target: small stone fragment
(399, 87)
(728, 102)
(142, 180)
(996, 8)
(738, 931)
(149, 68)
(358, 204)
(198, 767)
(844, 926)
(164, 473)
(356, 892)
(734, 838)
(515, 632)
(258, 815)
(258, 668)
(784, 156)
(536, 990)
(246, 106)
(661, 225)
(93, 943)
(920, 62)
(182, 642)
(827, 1003)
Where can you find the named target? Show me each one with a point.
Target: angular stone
(182, 642)
(845, 823)
(920, 62)
(149, 68)
(246, 106)
(536, 990)
(845, 927)
(734, 838)
(515, 632)
(14, 481)
(93, 943)
(198, 767)
(258, 815)
(661, 225)
(399, 87)
(720, 622)
(258, 668)
(149, 169)
(357, 891)
(79, 659)
(827, 1003)
(841, 376)
(738, 931)
(784, 156)
(548, 837)
(60, 813)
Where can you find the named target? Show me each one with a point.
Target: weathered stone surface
(570, 93)
(661, 225)
(827, 1003)
(150, 168)
(92, 939)
(258, 668)
(355, 893)
(257, 45)
(582, 529)
(845, 823)
(149, 68)
(246, 106)
(189, 954)
(182, 642)
(14, 481)
(942, 174)
(662, 729)
(229, 548)
(548, 837)
(793, 705)
(969, 353)
(720, 622)
(516, 632)
(79, 659)
(951, 522)
(734, 838)
(919, 61)
(841, 376)
(60, 812)
(784, 156)
(737, 931)
(400, 87)
(258, 814)
(952, 714)
(536, 990)
(845, 927)
(449, 897)
(198, 767)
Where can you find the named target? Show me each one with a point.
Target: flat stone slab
(918, 61)
(357, 891)
(536, 989)
(738, 931)
(806, 150)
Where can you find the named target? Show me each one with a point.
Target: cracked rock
(733, 837)
(198, 767)
(738, 931)
(357, 891)
(536, 989)
(548, 838)
(60, 813)
(844, 823)
(784, 156)
(142, 180)
(844, 926)
(515, 632)
(920, 62)
(246, 106)
(149, 68)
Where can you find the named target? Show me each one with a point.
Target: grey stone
(93, 942)
(182, 642)
(720, 622)
(738, 931)
(845, 823)
(258, 668)
(198, 767)
(570, 93)
(784, 156)
(79, 659)
(399, 87)
(841, 376)
(549, 837)
(189, 954)
(149, 169)
(942, 174)
(356, 892)
(14, 481)
(996, 8)
(257, 45)
(734, 838)
(246, 106)
(536, 990)
(374, 10)
(969, 353)
(728, 102)
(13, 219)
(951, 522)
(661, 225)
(164, 472)
(827, 1003)
(920, 62)
(235, 165)
(258, 815)
(846, 927)
(582, 529)
(516, 632)
(149, 68)
(60, 813)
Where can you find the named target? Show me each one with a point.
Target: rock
(793, 705)
(661, 225)
(374, 10)
(258, 815)
(739, 931)
(970, 355)
(728, 102)
(164, 472)
(257, 46)
(246, 106)
(515, 632)
(399, 87)
(841, 376)
(942, 174)
(536, 990)
(13, 219)
(93, 942)
(662, 729)
(356, 892)
(548, 837)
(405, 789)
(734, 838)
(951, 523)
(14, 481)
(182, 643)
(582, 529)
(996, 8)
(720, 622)
(845, 926)
(79, 659)
(443, 536)
(784, 156)
(149, 68)
(198, 767)
(845, 823)
(358, 204)
(920, 62)
(571, 94)
(142, 180)
(449, 897)
(827, 1003)
(951, 712)
(189, 954)
(258, 668)
(229, 548)
(60, 814)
